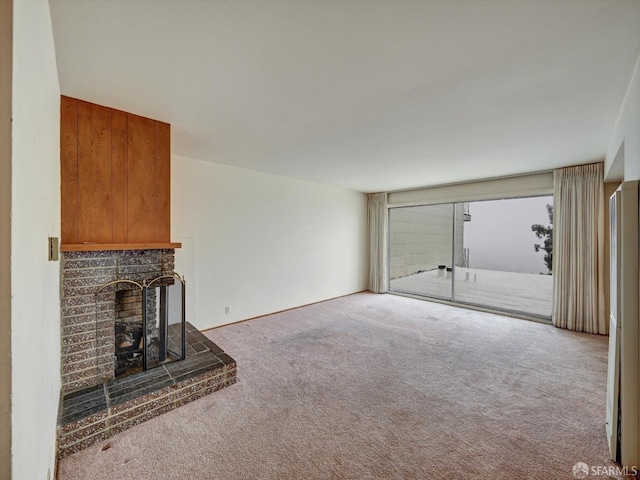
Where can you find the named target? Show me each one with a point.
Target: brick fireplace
(105, 389)
(115, 232)
(89, 320)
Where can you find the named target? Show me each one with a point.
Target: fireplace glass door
(149, 323)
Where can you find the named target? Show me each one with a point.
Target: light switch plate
(53, 249)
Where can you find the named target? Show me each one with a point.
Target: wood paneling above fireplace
(115, 179)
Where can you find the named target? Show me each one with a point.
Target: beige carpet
(379, 387)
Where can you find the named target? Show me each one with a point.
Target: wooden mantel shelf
(100, 247)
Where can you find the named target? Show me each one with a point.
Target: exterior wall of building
(420, 238)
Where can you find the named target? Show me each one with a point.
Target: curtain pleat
(578, 243)
(378, 225)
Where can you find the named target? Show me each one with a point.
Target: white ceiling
(370, 95)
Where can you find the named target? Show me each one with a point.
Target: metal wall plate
(53, 249)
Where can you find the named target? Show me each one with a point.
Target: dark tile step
(95, 413)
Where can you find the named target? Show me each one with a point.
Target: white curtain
(578, 249)
(378, 225)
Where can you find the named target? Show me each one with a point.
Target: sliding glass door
(494, 254)
(425, 246)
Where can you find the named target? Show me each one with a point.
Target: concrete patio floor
(517, 292)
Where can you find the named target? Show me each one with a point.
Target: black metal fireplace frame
(145, 287)
(163, 327)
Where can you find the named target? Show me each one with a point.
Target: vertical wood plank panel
(141, 181)
(119, 176)
(6, 80)
(163, 182)
(95, 210)
(116, 176)
(69, 170)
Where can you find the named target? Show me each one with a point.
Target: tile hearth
(96, 413)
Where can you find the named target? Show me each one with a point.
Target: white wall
(35, 339)
(623, 163)
(262, 243)
(627, 133)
